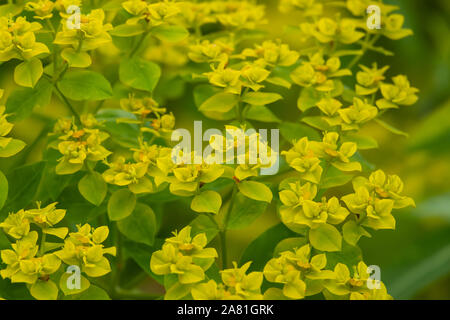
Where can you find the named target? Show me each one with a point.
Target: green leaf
(221, 102)
(44, 290)
(124, 134)
(63, 284)
(76, 59)
(121, 204)
(93, 293)
(13, 9)
(256, 191)
(260, 250)
(21, 102)
(23, 185)
(3, 189)
(140, 226)
(177, 291)
(295, 131)
(207, 201)
(243, 212)
(363, 143)
(93, 188)
(335, 178)
(261, 113)
(308, 98)
(278, 81)
(139, 74)
(127, 30)
(353, 232)
(390, 128)
(289, 244)
(203, 224)
(12, 148)
(316, 122)
(141, 254)
(204, 92)
(170, 33)
(28, 73)
(261, 98)
(349, 255)
(325, 238)
(85, 85)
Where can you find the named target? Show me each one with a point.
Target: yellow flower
(302, 159)
(319, 73)
(84, 248)
(357, 114)
(369, 80)
(273, 53)
(399, 93)
(327, 30)
(42, 8)
(385, 187)
(345, 286)
(92, 34)
(16, 225)
(78, 145)
(18, 40)
(240, 285)
(337, 153)
(22, 263)
(300, 274)
(184, 256)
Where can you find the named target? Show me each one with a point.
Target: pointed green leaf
(28, 73)
(139, 74)
(261, 98)
(93, 188)
(325, 238)
(256, 191)
(121, 204)
(139, 226)
(170, 33)
(85, 85)
(207, 201)
(44, 290)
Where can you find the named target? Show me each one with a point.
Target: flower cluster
(18, 39)
(37, 265)
(78, 145)
(236, 285)
(184, 256)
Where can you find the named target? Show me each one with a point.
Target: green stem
(223, 230)
(365, 46)
(66, 102)
(139, 44)
(42, 248)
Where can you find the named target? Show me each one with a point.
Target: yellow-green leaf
(325, 238)
(28, 73)
(207, 201)
(139, 74)
(256, 191)
(44, 290)
(140, 226)
(93, 188)
(121, 204)
(77, 59)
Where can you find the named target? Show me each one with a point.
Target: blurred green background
(415, 258)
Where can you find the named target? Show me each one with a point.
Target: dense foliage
(95, 199)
